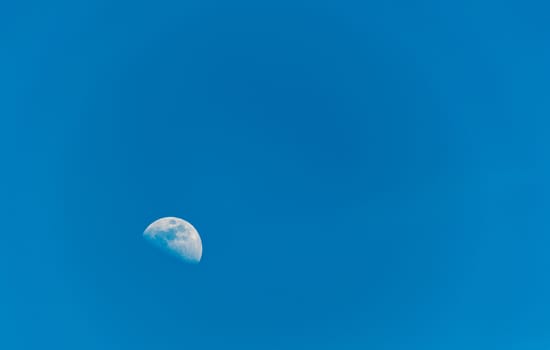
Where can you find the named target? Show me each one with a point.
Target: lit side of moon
(176, 236)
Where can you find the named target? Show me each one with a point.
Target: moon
(176, 236)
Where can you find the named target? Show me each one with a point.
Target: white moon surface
(177, 236)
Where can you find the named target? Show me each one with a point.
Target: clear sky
(364, 175)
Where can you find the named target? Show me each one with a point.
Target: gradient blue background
(364, 175)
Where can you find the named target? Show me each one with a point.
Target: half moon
(176, 236)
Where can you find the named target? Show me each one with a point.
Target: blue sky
(364, 175)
